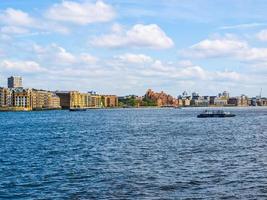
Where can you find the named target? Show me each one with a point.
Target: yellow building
(5, 97)
(95, 101)
(42, 99)
(22, 99)
(184, 102)
(75, 99)
(54, 101)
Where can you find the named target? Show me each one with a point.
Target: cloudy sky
(126, 46)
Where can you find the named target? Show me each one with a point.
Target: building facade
(42, 99)
(75, 99)
(238, 101)
(110, 101)
(22, 98)
(6, 97)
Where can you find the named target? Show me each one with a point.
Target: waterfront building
(160, 98)
(96, 101)
(5, 97)
(184, 102)
(75, 99)
(64, 99)
(238, 101)
(110, 101)
(233, 101)
(200, 102)
(22, 98)
(195, 95)
(258, 101)
(226, 95)
(184, 99)
(263, 101)
(218, 101)
(54, 101)
(14, 82)
(39, 99)
(42, 99)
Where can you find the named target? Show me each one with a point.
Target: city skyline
(131, 46)
(15, 82)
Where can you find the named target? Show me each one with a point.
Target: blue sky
(125, 47)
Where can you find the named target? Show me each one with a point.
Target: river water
(133, 154)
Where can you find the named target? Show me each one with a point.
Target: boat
(77, 109)
(215, 113)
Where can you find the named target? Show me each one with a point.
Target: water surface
(133, 154)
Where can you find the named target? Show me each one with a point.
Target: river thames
(133, 154)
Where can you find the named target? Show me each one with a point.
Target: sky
(126, 46)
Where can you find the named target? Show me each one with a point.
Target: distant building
(54, 102)
(42, 99)
(195, 95)
(183, 102)
(75, 99)
(200, 102)
(110, 101)
(14, 82)
(218, 101)
(226, 95)
(185, 94)
(257, 101)
(239, 101)
(160, 98)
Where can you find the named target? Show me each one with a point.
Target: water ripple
(133, 154)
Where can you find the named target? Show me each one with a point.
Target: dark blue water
(133, 154)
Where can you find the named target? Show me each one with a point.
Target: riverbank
(13, 109)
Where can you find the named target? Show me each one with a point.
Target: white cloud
(21, 66)
(88, 58)
(134, 58)
(57, 55)
(15, 17)
(20, 22)
(227, 48)
(227, 75)
(262, 35)
(81, 13)
(242, 26)
(147, 69)
(61, 55)
(1, 52)
(13, 30)
(216, 48)
(149, 36)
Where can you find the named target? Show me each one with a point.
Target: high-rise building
(14, 82)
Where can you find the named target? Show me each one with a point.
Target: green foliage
(148, 102)
(133, 102)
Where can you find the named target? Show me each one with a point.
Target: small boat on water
(215, 113)
(77, 109)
